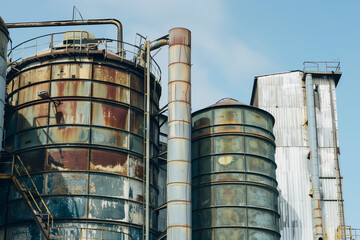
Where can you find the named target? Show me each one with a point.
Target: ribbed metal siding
(327, 146)
(86, 155)
(283, 96)
(233, 174)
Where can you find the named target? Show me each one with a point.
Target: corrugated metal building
(283, 95)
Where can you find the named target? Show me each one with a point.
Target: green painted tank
(234, 193)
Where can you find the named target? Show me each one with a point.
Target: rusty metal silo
(76, 119)
(233, 173)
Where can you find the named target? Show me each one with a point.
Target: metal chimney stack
(179, 138)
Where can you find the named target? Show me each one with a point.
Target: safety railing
(347, 233)
(79, 42)
(321, 66)
(84, 233)
(13, 168)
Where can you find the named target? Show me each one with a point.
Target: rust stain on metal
(107, 74)
(107, 161)
(107, 115)
(33, 116)
(70, 88)
(136, 167)
(67, 159)
(35, 75)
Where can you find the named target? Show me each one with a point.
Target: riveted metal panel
(233, 176)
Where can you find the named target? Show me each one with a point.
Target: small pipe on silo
(147, 142)
(179, 138)
(4, 36)
(313, 144)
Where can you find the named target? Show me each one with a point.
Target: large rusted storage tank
(76, 119)
(233, 173)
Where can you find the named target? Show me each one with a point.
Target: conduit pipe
(4, 39)
(313, 144)
(179, 137)
(158, 43)
(115, 22)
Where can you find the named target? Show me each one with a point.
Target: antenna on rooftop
(75, 9)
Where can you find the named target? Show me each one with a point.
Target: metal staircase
(14, 169)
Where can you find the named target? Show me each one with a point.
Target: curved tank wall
(234, 192)
(4, 39)
(84, 145)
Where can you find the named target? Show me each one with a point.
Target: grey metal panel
(331, 216)
(282, 95)
(327, 162)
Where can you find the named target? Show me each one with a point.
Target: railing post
(13, 165)
(81, 33)
(51, 43)
(36, 47)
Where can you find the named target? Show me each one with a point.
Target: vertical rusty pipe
(179, 138)
(4, 39)
(313, 143)
(340, 199)
(147, 143)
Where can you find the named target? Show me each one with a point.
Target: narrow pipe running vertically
(179, 138)
(4, 39)
(313, 144)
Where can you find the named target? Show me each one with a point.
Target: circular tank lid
(3, 26)
(228, 101)
(231, 102)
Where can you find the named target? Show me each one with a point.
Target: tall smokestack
(179, 138)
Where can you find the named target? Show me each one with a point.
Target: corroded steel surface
(4, 38)
(84, 146)
(233, 173)
(179, 136)
(283, 95)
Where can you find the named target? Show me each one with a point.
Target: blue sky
(233, 41)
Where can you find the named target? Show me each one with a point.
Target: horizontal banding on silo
(233, 182)
(88, 146)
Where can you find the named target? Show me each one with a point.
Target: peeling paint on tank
(107, 161)
(70, 88)
(67, 159)
(35, 75)
(108, 74)
(66, 183)
(225, 160)
(234, 190)
(136, 213)
(108, 185)
(107, 209)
